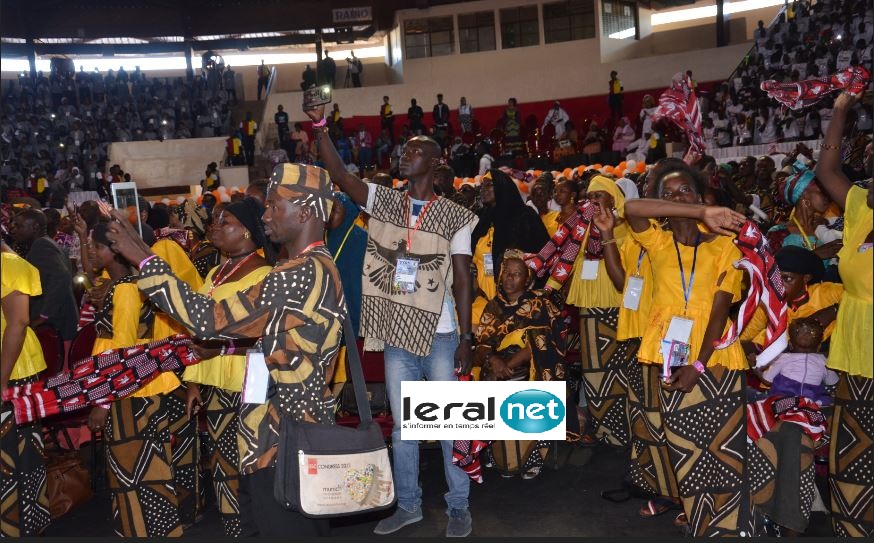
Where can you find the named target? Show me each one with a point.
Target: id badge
(405, 275)
(489, 265)
(675, 346)
(633, 292)
(589, 271)
(257, 378)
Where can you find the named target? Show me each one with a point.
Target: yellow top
(126, 305)
(598, 292)
(18, 275)
(822, 295)
(550, 221)
(632, 324)
(173, 254)
(227, 371)
(486, 283)
(713, 272)
(851, 347)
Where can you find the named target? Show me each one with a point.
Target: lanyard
(343, 243)
(220, 279)
(804, 237)
(639, 260)
(418, 219)
(687, 292)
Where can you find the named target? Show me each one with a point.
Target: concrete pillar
(721, 29)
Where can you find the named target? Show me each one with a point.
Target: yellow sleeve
(733, 278)
(755, 329)
(854, 210)
(19, 275)
(126, 305)
(653, 238)
(830, 293)
(174, 255)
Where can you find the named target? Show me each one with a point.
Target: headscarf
(605, 184)
(249, 211)
(193, 216)
(516, 225)
(795, 185)
(304, 184)
(629, 189)
(795, 259)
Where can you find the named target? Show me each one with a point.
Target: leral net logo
(484, 410)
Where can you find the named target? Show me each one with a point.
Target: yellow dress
(550, 221)
(715, 258)
(227, 371)
(851, 348)
(173, 254)
(822, 295)
(632, 324)
(127, 302)
(486, 283)
(598, 292)
(17, 274)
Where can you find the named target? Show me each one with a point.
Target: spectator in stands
(356, 68)
(300, 141)
(281, 120)
(557, 117)
(263, 72)
(386, 118)
(623, 135)
(485, 158)
(229, 81)
(248, 128)
(440, 115)
(56, 306)
(414, 116)
(327, 69)
(362, 141)
(308, 78)
(614, 96)
(277, 155)
(465, 116)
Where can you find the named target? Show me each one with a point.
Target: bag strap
(357, 373)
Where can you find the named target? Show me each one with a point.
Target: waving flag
(801, 94)
(679, 106)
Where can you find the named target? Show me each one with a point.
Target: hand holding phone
(316, 96)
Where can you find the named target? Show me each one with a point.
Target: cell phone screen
(125, 199)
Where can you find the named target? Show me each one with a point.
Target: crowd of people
(57, 128)
(728, 369)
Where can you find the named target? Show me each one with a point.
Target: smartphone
(125, 199)
(316, 96)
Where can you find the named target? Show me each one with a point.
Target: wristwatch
(467, 337)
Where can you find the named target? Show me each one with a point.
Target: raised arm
(348, 183)
(828, 169)
(605, 222)
(721, 220)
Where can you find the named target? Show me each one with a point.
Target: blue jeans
(439, 365)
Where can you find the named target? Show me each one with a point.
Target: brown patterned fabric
(139, 468)
(651, 469)
(186, 456)
(850, 457)
(605, 362)
(25, 504)
(222, 425)
(707, 443)
(298, 311)
(382, 306)
(303, 184)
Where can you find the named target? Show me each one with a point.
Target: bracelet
(699, 366)
(608, 242)
(231, 348)
(467, 337)
(321, 123)
(223, 350)
(827, 147)
(145, 261)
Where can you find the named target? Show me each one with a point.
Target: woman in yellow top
(702, 402)
(215, 383)
(23, 484)
(604, 359)
(136, 428)
(505, 222)
(630, 270)
(851, 352)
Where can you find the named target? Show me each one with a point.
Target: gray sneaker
(460, 523)
(400, 518)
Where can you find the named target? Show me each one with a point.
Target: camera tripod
(348, 80)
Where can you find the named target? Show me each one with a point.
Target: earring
(247, 235)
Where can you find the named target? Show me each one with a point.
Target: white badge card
(633, 292)
(257, 378)
(679, 330)
(489, 265)
(676, 341)
(589, 271)
(405, 274)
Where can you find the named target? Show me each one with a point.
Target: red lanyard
(311, 246)
(219, 280)
(418, 219)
